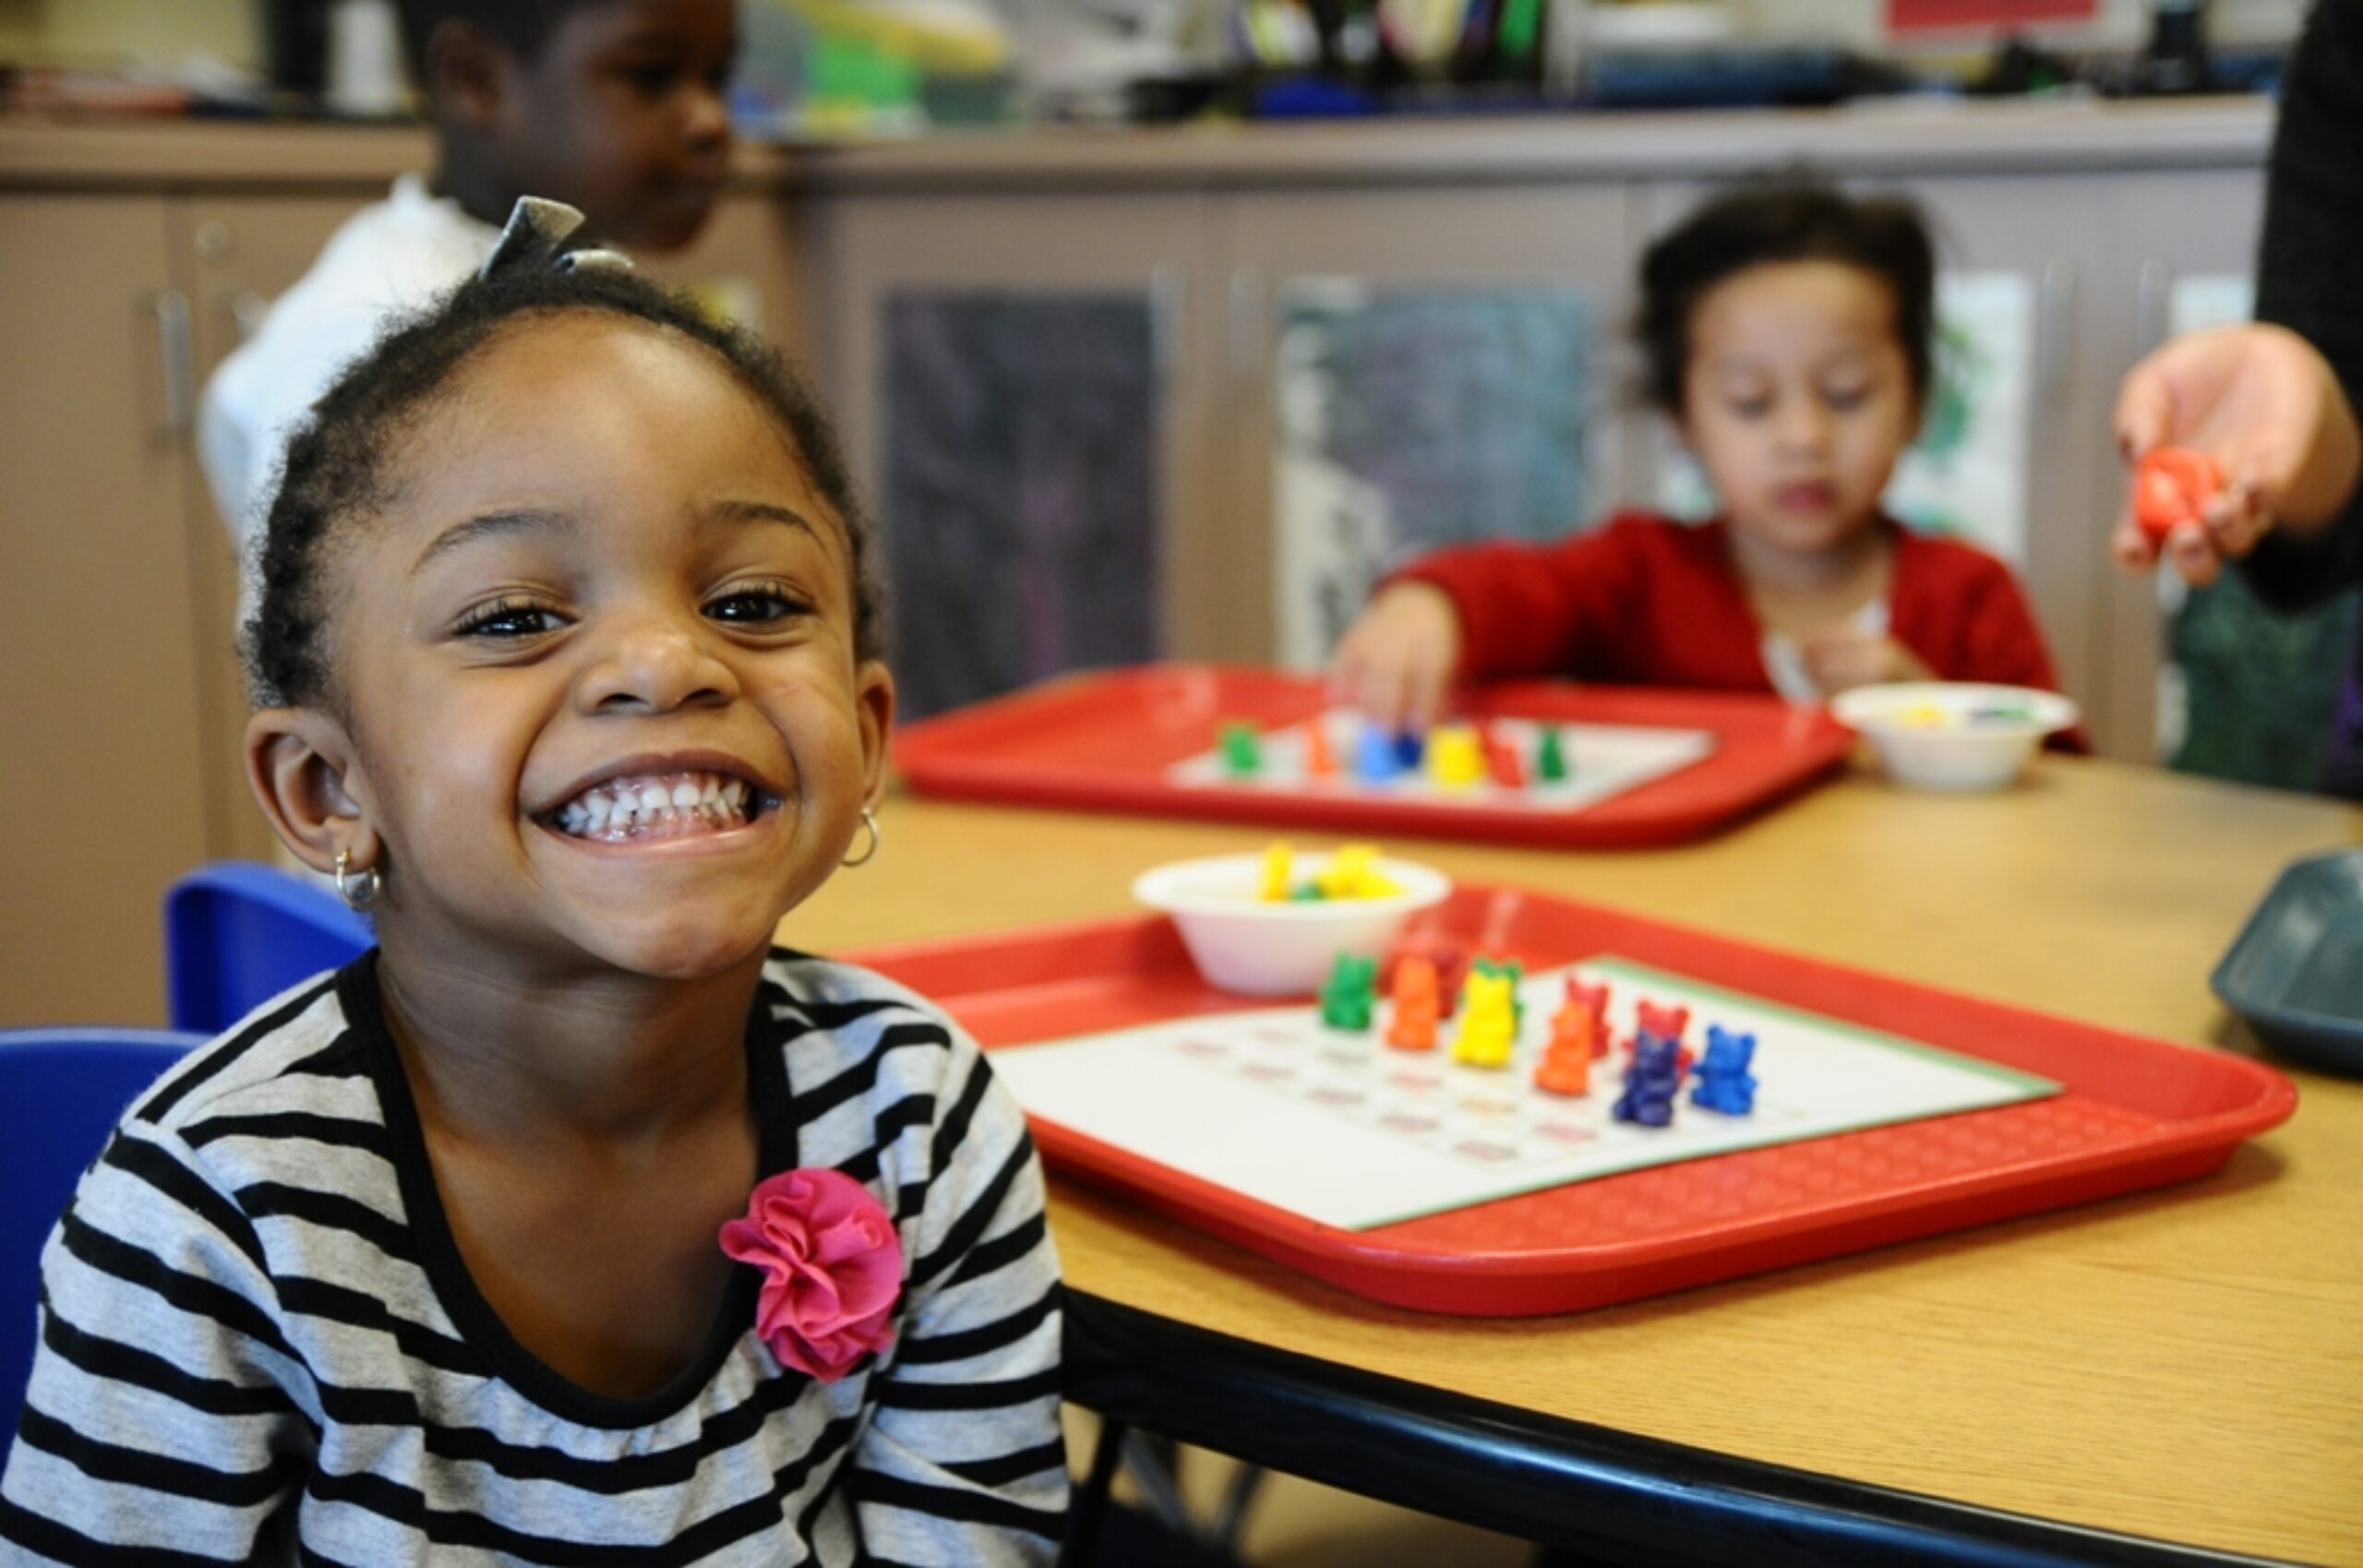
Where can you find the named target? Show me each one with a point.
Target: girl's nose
(655, 665)
(706, 117)
(1804, 424)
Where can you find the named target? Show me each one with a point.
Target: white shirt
(392, 257)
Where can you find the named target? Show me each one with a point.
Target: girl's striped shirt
(258, 1342)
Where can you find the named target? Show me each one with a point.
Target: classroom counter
(1879, 135)
(2184, 1365)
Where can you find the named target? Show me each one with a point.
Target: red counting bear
(2170, 487)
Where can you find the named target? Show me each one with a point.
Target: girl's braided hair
(334, 471)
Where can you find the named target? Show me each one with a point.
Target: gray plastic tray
(2295, 971)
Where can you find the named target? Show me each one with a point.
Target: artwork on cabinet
(1966, 476)
(2247, 692)
(1021, 478)
(1408, 418)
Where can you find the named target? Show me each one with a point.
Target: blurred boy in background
(617, 107)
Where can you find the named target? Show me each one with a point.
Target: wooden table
(2185, 1365)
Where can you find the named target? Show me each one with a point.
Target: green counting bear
(1348, 995)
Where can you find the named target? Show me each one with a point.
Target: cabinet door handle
(1169, 300)
(247, 309)
(2054, 322)
(1246, 321)
(2153, 301)
(177, 354)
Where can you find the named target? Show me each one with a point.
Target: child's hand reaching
(1396, 661)
(1840, 660)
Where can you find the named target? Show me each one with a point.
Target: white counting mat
(1341, 1129)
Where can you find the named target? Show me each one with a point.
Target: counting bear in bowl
(1272, 923)
(1953, 734)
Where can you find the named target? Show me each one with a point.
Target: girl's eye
(755, 606)
(1843, 398)
(509, 618)
(654, 79)
(1749, 408)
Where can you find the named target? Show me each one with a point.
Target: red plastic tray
(1103, 742)
(2134, 1113)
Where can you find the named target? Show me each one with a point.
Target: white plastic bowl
(1983, 740)
(1267, 948)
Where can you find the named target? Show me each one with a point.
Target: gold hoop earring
(869, 821)
(358, 889)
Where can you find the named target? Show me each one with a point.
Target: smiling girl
(1786, 332)
(576, 1222)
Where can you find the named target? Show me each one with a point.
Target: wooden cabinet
(238, 253)
(2059, 230)
(130, 255)
(118, 588)
(100, 700)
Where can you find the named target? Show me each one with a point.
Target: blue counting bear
(1724, 1082)
(1651, 1084)
(1375, 760)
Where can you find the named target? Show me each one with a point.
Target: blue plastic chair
(237, 934)
(61, 1092)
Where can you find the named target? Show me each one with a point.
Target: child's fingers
(2130, 548)
(2237, 517)
(2192, 551)
(1382, 696)
(1424, 691)
(1346, 673)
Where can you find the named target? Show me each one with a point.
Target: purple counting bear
(1651, 1084)
(1724, 1084)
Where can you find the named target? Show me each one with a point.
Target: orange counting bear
(1319, 762)
(1565, 1067)
(2171, 487)
(1416, 1003)
(1594, 1001)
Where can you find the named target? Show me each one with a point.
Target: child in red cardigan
(1786, 331)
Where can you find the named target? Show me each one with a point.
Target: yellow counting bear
(1276, 864)
(1353, 872)
(1487, 1022)
(1456, 757)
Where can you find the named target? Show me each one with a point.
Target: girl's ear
(873, 699)
(301, 766)
(467, 73)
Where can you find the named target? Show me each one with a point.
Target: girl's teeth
(619, 811)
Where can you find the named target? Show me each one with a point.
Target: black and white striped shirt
(258, 1341)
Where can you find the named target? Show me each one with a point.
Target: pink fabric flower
(832, 1268)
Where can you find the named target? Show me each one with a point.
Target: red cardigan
(1647, 601)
